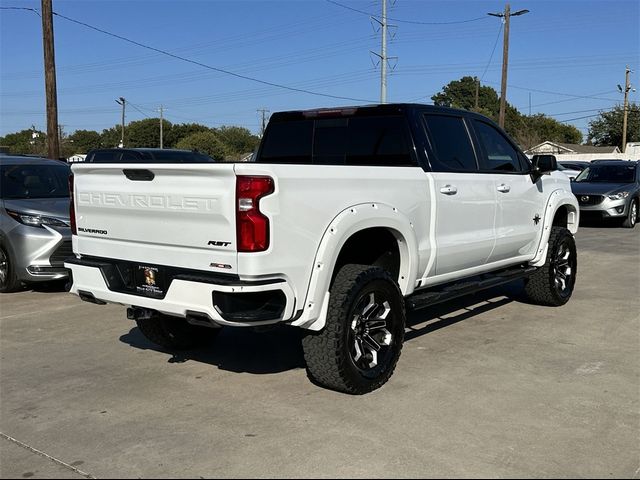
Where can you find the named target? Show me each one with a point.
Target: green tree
(205, 142)
(84, 140)
(181, 130)
(238, 140)
(145, 133)
(607, 128)
(538, 128)
(29, 141)
(526, 130)
(110, 137)
(462, 94)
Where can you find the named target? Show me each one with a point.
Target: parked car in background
(574, 164)
(146, 155)
(609, 189)
(572, 168)
(569, 172)
(35, 237)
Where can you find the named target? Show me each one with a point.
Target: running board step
(449, 291)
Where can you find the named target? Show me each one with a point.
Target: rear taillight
(72, 208)
(252, 226)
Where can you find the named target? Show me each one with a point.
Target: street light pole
(506, 17)
(122, 102)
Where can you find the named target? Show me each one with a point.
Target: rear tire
(553, 283)
(175, 333)
(632, 215)
(8, 279)
(359, 347)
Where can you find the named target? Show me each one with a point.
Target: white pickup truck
(347, 218)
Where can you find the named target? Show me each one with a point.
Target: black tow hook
(138, 313)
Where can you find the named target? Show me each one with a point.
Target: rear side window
(372, 141)
(498, 153)
(451, 144)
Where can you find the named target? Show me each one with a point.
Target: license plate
(150, 281)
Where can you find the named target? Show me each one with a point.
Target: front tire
(174, 333)
(8, 279)
(359, 347)
(632, 215)
(553, 283)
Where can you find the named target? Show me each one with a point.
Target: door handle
(138, 174)
(504, 188)
(449, 190)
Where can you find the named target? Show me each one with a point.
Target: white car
(347, 218)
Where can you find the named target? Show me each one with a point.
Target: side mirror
(545, 163)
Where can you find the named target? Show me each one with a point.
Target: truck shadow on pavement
(279, 349)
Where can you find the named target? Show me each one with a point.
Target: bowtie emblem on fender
(536, 219)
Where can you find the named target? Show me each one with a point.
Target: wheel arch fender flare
(558, 199)
(347, 223)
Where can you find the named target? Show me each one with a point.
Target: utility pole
(627, 88)
(161, 142)
(122, 102)
(506, 17)
(53, 144)
(264, 113)
(477, 92)
(384, 26)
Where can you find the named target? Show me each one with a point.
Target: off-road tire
(632, 215)
(8, 279)
(175, 333)
(329, 353)
(542, 287)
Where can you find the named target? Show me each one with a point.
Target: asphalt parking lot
(487, 386)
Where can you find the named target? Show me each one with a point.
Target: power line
(204, 65)
(414, 22)
(137, 108)
(492, 52)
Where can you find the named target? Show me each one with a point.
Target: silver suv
(609, 189)
(35, 237)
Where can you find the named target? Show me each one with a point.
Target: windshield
(607, 174)
(34, 181)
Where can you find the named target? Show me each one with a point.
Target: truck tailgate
(176, 214)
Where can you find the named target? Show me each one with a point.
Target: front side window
(34, 181)
(451, 144)
(499, 154)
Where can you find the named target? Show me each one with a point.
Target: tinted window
(287, 142)
(375, 141)
(608, 174)
(141, 156)
(498, 154)
(105, 156)
(450, 143)
(34, 181)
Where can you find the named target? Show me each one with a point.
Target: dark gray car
(35, 237)
(609, 189)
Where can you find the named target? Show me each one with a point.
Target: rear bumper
(225, 299)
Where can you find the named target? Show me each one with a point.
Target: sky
(566, 57)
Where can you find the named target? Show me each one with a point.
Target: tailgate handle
(140, 175)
